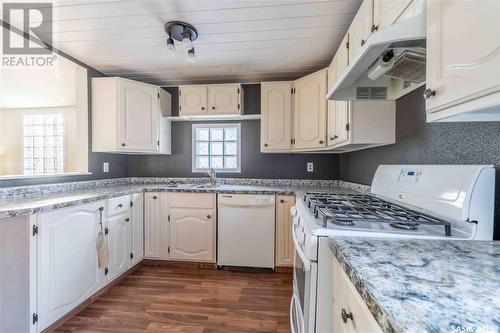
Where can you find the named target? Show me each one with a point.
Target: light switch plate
(310, 167)
(105, 167)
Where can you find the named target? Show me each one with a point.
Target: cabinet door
(68, 271)
(276, 120)
(192, 100)
(310, 111)
(137, 216)
(192, 234)
(284, 226)
(119, 243)
(138, 116)
(361, 28)
(463, 52)
(224, 99)
(386, 12)
(331, 117)
(152, 225)
(342, 122)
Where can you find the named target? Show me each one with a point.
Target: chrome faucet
(212, 175)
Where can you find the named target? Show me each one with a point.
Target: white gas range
(453, 202)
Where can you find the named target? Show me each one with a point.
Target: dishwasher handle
(257, 205)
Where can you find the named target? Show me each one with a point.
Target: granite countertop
(32, 204)
(425, 285)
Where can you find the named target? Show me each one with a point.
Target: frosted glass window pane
(202, 148)
(230, 134)
(202, 134)
(230, 148)
(230, 162)
(216, 134)
(216, 162)
(216, 148)
(202, 162)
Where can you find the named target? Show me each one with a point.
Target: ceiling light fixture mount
(184, 33)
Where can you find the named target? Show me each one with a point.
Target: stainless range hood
(390, 64)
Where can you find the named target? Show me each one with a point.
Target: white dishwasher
(245, 232)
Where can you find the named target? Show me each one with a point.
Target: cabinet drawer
(192, 200)
(346, 299)
(117, 205)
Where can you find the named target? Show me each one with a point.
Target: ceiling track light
(184, 33)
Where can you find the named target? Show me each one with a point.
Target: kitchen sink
(208, 186)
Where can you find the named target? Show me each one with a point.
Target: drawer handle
(209, 216)
(120, 205)
(127, 219)
(321, 142)
(123, 145)
(282, 201)
(428, 93)
(155, 197)
(346, 316)
(203, 108)
(213, 107)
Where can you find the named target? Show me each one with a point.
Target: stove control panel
(409, 176)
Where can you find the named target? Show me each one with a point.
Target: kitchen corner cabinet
(68, 271)
(309, 111)
(276, 116)
(210, 100)
(127, 117)
(347, 300)
(463, 61)
(386, 12)
(361, 28)
(284, 226)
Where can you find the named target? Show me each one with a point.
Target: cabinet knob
(127, 219)
(321, 142)
(363, 42)
(265, 144)
(282, 201)
(203, 108)
(213, 107)
(346, 316)
(120, 205)
(209, 216)
(428, 93)
(374, 28)
(123, 145)
(155, 197)
(333, 138)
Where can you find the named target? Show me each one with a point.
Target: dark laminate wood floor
(164, 299)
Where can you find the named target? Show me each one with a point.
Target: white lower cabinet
(180, 226)
(120, 244)
(137, 217)
(68, 271)
(192, 234)
(350, 313)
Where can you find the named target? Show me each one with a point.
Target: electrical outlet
(310, 167)
(105, 167)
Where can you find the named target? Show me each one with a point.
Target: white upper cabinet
(310, 111)
(463, 60)
(224, 99)
(386, 12)
(361, 28)
(276, 116)
(193, 100)
(210, 100)
(126, 117)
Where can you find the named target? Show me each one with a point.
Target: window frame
(194, 127)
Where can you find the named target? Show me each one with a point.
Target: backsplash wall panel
(418, 142)
(254, 164)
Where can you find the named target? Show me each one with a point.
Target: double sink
(192, 186)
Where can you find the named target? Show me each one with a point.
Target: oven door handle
(298, 315)
(307, 263)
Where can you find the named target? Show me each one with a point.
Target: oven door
(303, 303)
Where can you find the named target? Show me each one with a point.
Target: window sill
(53, 175)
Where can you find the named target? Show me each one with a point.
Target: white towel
(102, 250)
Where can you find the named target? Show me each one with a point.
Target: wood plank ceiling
(240, 40)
